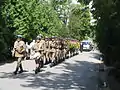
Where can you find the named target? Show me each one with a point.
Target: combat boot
(37, 70)
(52, 63)
(21, 69)
(49, 60)
(15, 72)
(41, 64)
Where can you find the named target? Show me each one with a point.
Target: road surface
(76, 73)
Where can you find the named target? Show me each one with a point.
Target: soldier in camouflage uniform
(47, 50)
(57, 50)
(19, 52)
(38, 49)
(61, 49)
(65, 48)
(52, 51)
(43, 60)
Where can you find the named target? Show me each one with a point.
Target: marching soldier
(60, 49)
(38, 49)
(42, 51)
(52, 51)
(36, 55)
(57, 50)
(65, 48)
(47, 50)
(31, 48)
(19, 52)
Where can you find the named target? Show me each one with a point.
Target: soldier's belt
(52, 47)
(41, 50)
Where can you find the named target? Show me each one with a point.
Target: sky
(74, 1)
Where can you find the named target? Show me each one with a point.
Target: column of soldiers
(43, 50)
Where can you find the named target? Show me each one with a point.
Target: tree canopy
(31, 17)
(86, 2)
(5, 36)
(107, 13)
(79, 24)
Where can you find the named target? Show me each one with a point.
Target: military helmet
(38, 38)
(41, 35)
(54, 37)
(46, 36)
(19, 36)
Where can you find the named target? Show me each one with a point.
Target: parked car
(87, 45)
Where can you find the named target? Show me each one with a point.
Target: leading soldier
(19, 52)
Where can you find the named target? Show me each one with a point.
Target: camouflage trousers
(52, 56)
(19, 60)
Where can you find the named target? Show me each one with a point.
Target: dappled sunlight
(75, 73)
(71, 77)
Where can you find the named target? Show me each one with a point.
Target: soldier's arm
(41, 47)
(14, 49)
(15, 45)
(34, 48)
(44, 46)
(24, 46)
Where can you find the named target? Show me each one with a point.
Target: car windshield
(85, 43)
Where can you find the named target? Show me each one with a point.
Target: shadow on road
(80, 75)
(3, 62)
(95, 55)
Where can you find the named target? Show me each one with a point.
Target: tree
(31, 17)
(107, 13)
(79, 24)
(62, 7)
(86, 2)
(5, 36)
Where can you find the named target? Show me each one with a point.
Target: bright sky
(74, 1)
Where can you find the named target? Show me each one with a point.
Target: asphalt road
(76, 73)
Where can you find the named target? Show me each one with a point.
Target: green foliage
(5, 36)
(79, 24)
(63, 32)
(73, 44)
(31, 17)
(107, 14)
(86, 2)
(62, 7)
